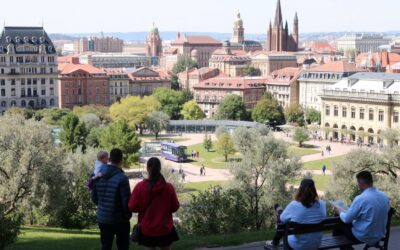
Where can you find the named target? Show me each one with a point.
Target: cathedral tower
(238, 30)
(154, 43)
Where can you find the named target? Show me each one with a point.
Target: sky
(81, 16)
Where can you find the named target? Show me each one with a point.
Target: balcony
(357, 95)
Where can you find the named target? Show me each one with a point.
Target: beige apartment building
(271, 61)
(359, 108)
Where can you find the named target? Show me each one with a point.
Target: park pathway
(394, 243)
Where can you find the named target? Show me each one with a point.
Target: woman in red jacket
(155, 200)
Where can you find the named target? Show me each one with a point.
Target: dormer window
(26, 39)
(34, 39)
(17, 39)
(8, 39)
(41, 39)
(50, 48)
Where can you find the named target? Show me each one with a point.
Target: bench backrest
(328, 224)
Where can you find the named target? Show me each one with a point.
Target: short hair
(102, 154)
(307, 193)
(116, 155)
(365, 177)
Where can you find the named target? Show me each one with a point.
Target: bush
(9, 227)
(214, 211)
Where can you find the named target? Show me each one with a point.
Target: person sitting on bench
(368, 214)
(306, 208)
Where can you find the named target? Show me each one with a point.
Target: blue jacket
(111, 194)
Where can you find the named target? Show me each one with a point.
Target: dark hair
(307, 194)
(154, 169)
(116, 155)
(365, 177)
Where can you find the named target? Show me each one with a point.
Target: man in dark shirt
(111, 194)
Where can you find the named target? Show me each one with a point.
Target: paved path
(394, 243)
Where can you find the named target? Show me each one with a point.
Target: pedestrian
(204, 171)
(183, 176)
(111, 194)
(323, 169)
(198, 154)
(322, 153)
(201, 171)
(155, 199)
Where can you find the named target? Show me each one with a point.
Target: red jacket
(157, 221)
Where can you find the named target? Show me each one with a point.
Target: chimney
(75, 60)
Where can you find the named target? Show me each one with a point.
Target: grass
(303, 151)
(195, 187)
(317, 164)
(38, 238)
(148, 137)
(321, 182)
(210, 159)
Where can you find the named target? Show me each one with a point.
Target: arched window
(43, 103)
(13, 103)
(23, 103)
(51, 102)
(3, 104)
(31, 104)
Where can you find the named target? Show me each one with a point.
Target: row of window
(27, 81)
(79, 99)
(79, 91)
(28, 59)
(361, 113)
(78, 83)
(28, 92)
(30, 103)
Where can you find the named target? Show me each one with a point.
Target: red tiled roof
(385, 58)
(285, 75)
(337, 66)
(196, 40)
(68, 68)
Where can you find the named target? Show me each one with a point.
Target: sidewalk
(394, 243)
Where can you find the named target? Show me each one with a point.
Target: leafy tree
(52, 116)
(134, 110)
(30, 163)
(384, 166)
(313, 116)
(171, 101)
(100, 111)
(251, 71)
(220, 130)
(231, 108)
(73, 134)
(10, 227)
(391, 136)
(120, 135)
(263, 174)
(26, 113)
(181, 65)
(157, 122)
(192, 111)
(93, 138)
(207, 142)
(268, 110)
(300, 135)
(215, 211)
(78, 211)
(225, 146)
(295, 113)
(91, 120)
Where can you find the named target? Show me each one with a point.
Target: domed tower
(238, 30)
(154, 43)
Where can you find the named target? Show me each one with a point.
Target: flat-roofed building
(359, 107)
(267, 62)
(359, 43)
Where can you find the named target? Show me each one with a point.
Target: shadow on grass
(307, 146)
(59, 230)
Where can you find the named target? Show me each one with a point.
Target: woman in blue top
(306, 208)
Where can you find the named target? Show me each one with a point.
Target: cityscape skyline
(219, 16)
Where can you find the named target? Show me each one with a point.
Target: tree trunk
(226, 158)
(156, 135)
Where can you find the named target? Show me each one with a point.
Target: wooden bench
(329, 242)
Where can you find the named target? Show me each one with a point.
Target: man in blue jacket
(111, 194)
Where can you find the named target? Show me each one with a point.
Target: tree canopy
(313, 116)
(171, 101)
(134, 110)
(73, 134)
(225, 146)
(100, 111)
(192, 111)
(268, 110)
(181, 65)
(251, 71)
(157, 122)
(231, 107)
(294, 113)
(300, 135)
(120, 135)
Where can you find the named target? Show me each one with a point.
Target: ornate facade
(28, 69)
(278, 37)
(154, 43)
(238, 42)
(360, 107)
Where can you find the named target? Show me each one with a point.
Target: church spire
(278, 14)
(296, 18)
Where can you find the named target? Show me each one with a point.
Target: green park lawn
(210, 159)
(40, 238)
(303, 151)
(317, 164)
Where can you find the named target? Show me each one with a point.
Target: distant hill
(171, 35)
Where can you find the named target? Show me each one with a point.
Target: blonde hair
(102, 154)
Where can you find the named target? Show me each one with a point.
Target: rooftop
(196, 40)
(336, 66)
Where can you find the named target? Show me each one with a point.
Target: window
(43, 91)
(327, 110)
(353, 112)
(396, 116)
(380, 116)
(22, 92)
(362, 114)
(43, 81)
(3, 92)
(12, 92)
(12, 81)
(335, 111)
(371, 115)
(3, 104)
(2, 82)
(344, 112)
(51, 91)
